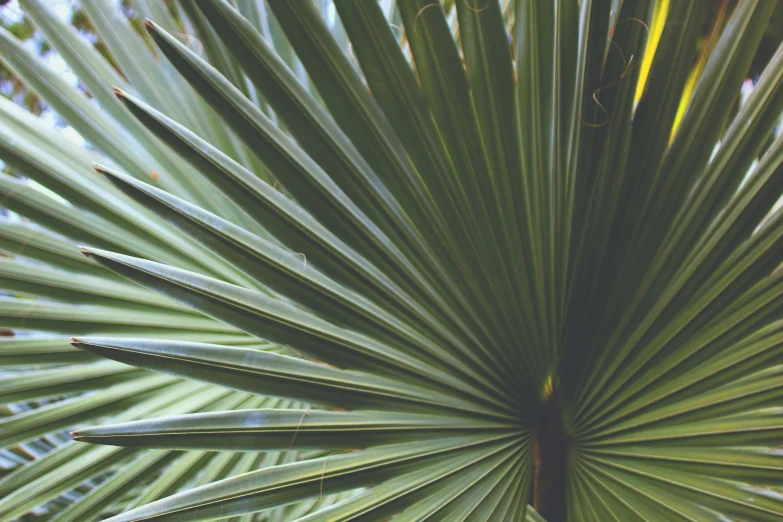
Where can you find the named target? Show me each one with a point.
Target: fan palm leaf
(410, 260)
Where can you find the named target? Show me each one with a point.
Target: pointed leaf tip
(104, 171)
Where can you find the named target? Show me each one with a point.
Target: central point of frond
(547, 390)
(551, 453)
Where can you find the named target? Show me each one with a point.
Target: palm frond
(394, 260)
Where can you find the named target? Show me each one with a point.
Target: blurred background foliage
(13, 18)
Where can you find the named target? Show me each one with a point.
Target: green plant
(513, 284)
